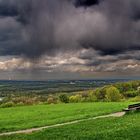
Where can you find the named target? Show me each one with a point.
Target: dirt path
(118, 114)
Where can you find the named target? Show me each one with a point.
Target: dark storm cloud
(7, 8)
(31, 41)
(85, 3)
(136, 10)
(49, 26)
(8, 11)
(117, 33)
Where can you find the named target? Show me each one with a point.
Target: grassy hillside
(124, 128)
(40, 115)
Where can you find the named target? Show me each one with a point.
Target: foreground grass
(123, 128)
(40, 115)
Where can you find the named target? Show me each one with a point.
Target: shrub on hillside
(75, 98)
(84, 94)
(5, 100)
(92, 98)
(20, 104)
(51, 100)
(26, 100)
(135, 84)
(64, 98)
(100, 93)
(112, 94)
(8, 104)
(135, 99)
(30, 102)
(127, 86)
(131, 93)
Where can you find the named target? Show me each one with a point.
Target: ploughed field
(25, 117)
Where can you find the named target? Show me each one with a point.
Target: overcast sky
(69, 39)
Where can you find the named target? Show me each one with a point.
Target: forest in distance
(20, 93)
(51, 86)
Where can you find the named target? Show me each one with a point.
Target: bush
(20, 104)
(51, 100)
(84, 94)
(112, 94)
(127, 86)
(26, 100)
(6, 105)
(64, 98)
(92, 96)
(75, 98)
(30, 102)
(100, 93)
(131, 93)
(135, 99)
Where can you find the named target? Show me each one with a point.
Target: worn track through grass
(118, 114)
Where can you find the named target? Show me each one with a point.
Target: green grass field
(18, 118)
(123, 128)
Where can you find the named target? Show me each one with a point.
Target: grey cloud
(86, 3)
(48, 27)
(116, 33)
(8, 8)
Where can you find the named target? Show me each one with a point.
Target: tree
(112, 94)
(64, 98)
(100, 93)
(75, 98)
(51, 99)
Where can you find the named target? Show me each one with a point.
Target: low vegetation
(124, 128)
(24, 117)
